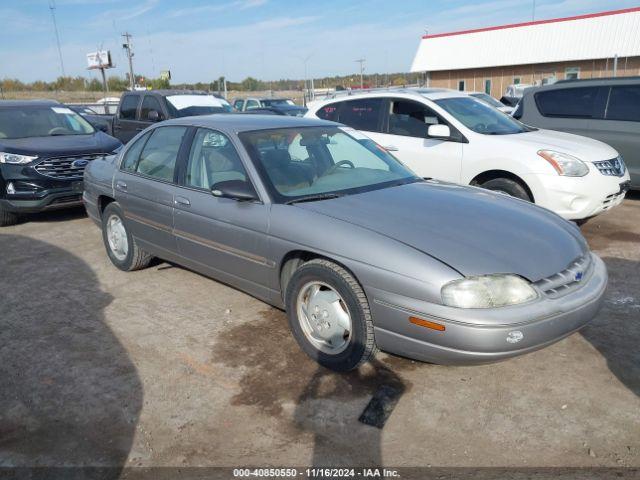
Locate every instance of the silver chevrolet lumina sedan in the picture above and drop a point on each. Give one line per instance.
(312, 217)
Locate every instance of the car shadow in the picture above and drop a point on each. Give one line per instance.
(62, 215)
(615, 332)
(69, 393)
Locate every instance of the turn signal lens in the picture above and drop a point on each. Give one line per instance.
(427, 324)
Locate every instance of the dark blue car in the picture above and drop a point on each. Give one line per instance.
(44, 149)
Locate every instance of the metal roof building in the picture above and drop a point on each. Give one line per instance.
(583, 46)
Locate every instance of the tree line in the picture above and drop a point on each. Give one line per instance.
(119, 84)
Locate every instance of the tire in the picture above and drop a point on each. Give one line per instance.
(134, 258)
(7, 218)
(340, 352)
(508, 186)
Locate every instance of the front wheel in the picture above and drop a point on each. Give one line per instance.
(121, 247)
(329, 315)
(7, 218)
(509, 187)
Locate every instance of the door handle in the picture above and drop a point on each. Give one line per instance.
(182, 201)
(120, 185)
(391, 148)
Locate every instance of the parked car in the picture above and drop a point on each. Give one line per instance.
(283, 106)
(139, 109)
(452, 136)
(317, 219)
(99, 121)
(44, 148)
(607, 109)
(489, 100)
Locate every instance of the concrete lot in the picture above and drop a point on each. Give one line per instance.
(164, 367)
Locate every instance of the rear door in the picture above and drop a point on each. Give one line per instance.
(145, 187)
(224, 235)
(127, 124)
(405, 135)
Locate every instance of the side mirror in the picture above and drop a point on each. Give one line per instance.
(439, 131)
(235, 189)
(153, 116)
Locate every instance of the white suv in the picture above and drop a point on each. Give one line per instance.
(452, 136)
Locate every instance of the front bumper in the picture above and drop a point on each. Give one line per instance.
(484, 335)
(577, 198)
(52, 200)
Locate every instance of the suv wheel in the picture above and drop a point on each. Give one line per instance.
(509, 187)
(121, 247)
(329, 315)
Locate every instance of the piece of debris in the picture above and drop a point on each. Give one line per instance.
(592, 453)
(380, 406)
(564, 407)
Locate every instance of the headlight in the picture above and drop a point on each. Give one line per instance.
(565, 164)
(15, 159)
(487, 291)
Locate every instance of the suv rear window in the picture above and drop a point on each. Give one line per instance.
(329, 112)
(362, 114)
(129, 106)
(567, 102)
(624, 103)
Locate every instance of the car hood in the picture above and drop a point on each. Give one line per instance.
(474, 231)
(584, 148)
(98, 142)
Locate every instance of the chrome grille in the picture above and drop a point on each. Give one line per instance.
(568, 279)
(63, 167)
(613, 168)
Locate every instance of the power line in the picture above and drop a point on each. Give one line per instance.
(52, 8)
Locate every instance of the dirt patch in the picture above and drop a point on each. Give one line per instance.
(277, 372)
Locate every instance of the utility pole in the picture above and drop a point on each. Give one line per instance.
(361, 62)
(127, 47)
(52, 8)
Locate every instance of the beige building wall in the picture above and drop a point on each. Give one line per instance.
(501, 77)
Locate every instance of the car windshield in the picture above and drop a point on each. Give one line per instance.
(190, 105)
(311, 163)
(41, 121)
(480, 117)
(269, 102)
(488, 99)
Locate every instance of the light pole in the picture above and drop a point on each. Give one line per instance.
(361, 62)
(127, 47)
(305, 90)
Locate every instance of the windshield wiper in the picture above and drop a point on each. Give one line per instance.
(314, 198)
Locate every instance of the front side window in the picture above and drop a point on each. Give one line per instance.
(131, 156)
(480, 117)
(238, 104)
(411, 119)
(362, 114)
(158, 157)
(129, 106)
(41, 121)
(150, 103)
(307, 162)
(567, 102)
(213, 159)
(624, 103)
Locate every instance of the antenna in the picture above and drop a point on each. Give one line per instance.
(52, 7)
(361, 62)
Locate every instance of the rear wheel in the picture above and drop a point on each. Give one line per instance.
(509, 187)
(121, 247)
(329, 315)
(7, 218)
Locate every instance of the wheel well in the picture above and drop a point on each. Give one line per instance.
(103, 201)
(293, 260)
(493, 174)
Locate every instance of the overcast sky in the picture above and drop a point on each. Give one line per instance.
(199, 40)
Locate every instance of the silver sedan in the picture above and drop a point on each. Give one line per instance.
(315, 218)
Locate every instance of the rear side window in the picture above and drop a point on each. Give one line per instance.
(329, 112)
(567, 102)
(362, 114)
(129, 106)
(150, 103)
(131, 156)
(624, 103)
(158, 158)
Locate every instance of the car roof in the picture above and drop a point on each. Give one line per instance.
(241, 122)
(28, 103)
(598, 81)
(169, 92)
(411, 92)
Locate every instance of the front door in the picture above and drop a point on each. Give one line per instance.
(405, 136)
(126, 125)
(227, 237)
(145, 187)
